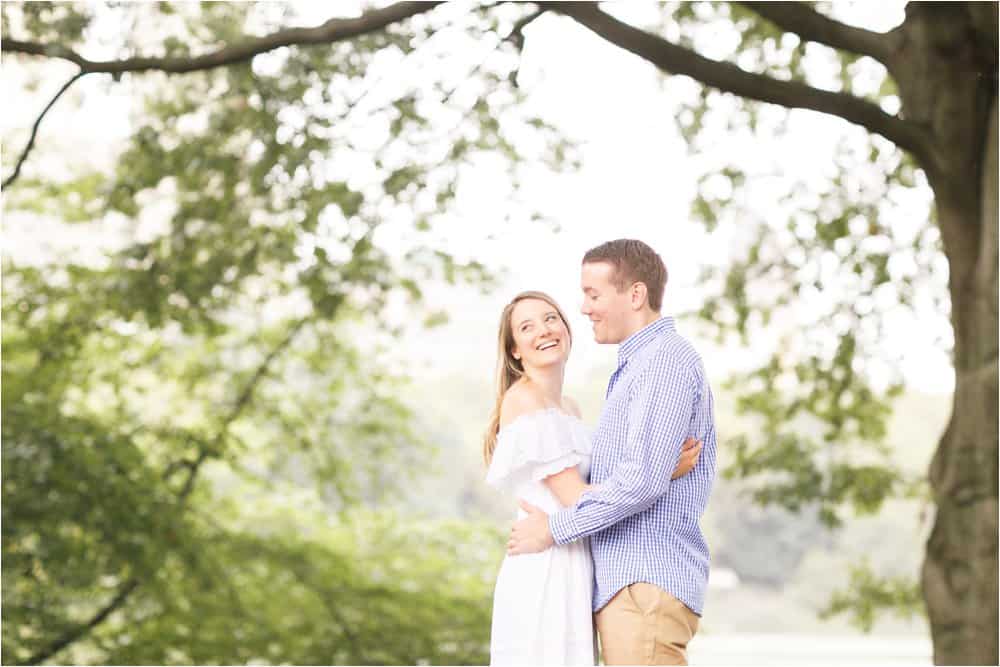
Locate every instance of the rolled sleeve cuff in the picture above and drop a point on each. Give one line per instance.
(563, 526)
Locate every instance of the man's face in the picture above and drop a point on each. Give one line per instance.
(607, 308)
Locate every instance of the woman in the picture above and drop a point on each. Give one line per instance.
(537, 449)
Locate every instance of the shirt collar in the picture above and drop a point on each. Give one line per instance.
(640, 338)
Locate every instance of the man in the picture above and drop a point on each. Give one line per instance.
(650, 558)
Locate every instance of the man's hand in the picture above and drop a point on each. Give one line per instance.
(531, 534)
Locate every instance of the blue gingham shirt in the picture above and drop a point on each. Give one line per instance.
(643, 526)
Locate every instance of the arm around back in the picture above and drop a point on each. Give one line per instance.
(659, 417)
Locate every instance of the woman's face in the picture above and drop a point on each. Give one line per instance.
(540, 335)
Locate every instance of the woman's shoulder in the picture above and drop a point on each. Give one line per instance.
(536, 439)
(572, 407)
(521, 399)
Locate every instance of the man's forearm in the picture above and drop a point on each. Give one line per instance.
(600, 508)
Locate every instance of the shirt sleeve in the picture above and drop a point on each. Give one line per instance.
(660, 411)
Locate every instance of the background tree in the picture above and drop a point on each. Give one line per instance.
(931, 115)
(201, 440)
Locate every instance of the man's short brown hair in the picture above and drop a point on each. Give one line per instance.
(633, 262)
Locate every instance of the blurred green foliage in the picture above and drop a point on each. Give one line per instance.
(868, 594)
(201, 443)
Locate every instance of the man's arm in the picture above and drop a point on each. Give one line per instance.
(568, 486)
(659, 416)
(532, 534)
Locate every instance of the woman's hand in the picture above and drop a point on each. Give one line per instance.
(689, 457)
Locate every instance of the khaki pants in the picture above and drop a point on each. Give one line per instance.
(645, 625)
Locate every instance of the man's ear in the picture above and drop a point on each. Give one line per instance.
(639, 295)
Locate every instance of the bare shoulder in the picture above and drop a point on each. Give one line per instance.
(572, 406)
(522, 398)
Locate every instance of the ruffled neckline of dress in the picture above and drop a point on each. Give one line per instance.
(537, 414)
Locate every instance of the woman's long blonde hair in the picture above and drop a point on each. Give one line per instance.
(509, 369)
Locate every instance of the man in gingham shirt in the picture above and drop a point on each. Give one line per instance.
(650, 558)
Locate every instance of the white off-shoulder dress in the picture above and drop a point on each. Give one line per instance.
(542, 602)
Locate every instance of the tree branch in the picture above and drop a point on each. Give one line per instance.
(34, 130)
(193, 467)
(303, 572)
(117, 601)
(799, 18)
(242, 401)
(516, 35)
(729, 78)
(333, 30)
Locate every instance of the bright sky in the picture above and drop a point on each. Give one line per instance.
(636, 180)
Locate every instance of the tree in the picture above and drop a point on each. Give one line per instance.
(934, 114)
(943, 60)
(221, 353)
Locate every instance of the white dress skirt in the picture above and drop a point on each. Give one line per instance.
(542, 602)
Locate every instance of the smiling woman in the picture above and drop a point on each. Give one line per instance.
(541, 604)
(539, 328)
(540, 322)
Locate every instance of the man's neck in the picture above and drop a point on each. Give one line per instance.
(645, 318)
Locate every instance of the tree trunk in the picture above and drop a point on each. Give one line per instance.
(946, 71)
(960, 569)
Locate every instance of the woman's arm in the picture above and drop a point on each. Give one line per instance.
(690, 452)
(567, 486)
